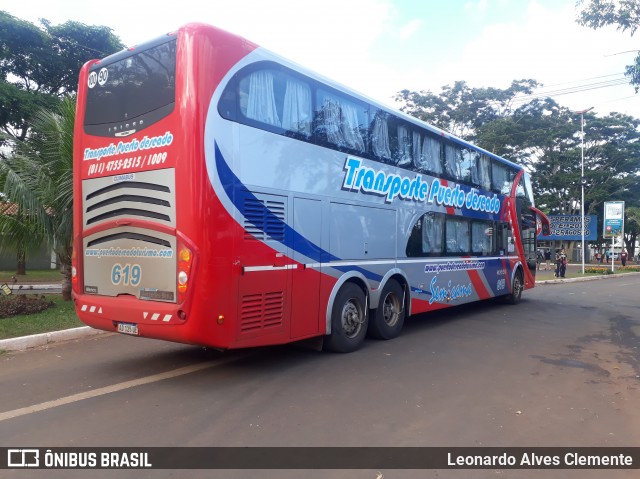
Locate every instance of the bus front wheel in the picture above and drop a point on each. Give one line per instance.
(516, 288)
(349, 320)
(388, 319)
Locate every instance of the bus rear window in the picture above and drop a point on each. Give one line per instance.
(140, 88)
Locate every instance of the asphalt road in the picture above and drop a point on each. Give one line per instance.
(562, 368)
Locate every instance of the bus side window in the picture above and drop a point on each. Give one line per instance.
(452, 161)
(503, 235)
(468, 164)
(458, 238)
(380, 141)
(296, 110)
(340, 122)
(426, 236)
(403, 153)
(501, 178)
(481, 172)
(275, 99)
(427, 153)
(257, 97)
(482, 238)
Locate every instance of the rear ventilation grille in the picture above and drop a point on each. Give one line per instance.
(146, 196)
(264, 219)
(261, 311)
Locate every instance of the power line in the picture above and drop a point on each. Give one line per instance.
(571, 90)
(585, 79)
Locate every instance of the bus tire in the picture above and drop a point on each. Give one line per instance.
(516, 288)
(388, 319)
(349, 320)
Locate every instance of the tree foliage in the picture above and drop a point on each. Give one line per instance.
(39, 65)
(460, 109)
(544, 137)
(39, 178)
(624, 14)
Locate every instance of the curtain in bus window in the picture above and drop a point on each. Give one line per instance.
(467, 164)
(261, 103)
(380, 137)
(417, 151)
(452, 161)
(482, 172)
(404, 146)
(331, 115)
(431, 153)
(481, 238)
(501, 178)
(432, 229)
(296, 115)
(351, 128)
(457, 235)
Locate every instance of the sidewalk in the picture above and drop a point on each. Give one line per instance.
(543, 277)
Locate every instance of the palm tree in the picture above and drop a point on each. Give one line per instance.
(18, 234)
(39, 178)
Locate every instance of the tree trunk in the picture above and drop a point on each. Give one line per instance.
(21, 267)
(65, 269)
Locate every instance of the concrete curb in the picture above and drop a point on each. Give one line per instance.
(579, 280)
(36, 340)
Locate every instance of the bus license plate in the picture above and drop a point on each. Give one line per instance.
(128, 328)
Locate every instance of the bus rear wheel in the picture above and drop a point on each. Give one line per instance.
(388, 320)
(516, 288)
(349, 320)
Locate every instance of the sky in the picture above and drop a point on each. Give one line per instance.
(380, 47)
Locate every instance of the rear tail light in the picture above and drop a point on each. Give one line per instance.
(185, 261)
(74, 271)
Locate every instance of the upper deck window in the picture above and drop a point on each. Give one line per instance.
(141, 86)
(341, 122)
(274, 98)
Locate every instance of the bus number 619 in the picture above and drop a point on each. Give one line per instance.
(127, 274)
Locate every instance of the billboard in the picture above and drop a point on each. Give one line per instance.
(613, 224)
(568, 228)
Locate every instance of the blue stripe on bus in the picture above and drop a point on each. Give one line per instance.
(228, 179)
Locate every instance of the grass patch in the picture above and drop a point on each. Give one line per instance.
(60, 316)
(32, 276)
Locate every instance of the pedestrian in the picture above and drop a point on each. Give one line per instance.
(558, 262)
(539, 259)
(547, 259)
(598, 258)
(563, 263)
(623, 257)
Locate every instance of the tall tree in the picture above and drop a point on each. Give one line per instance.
(625, 14)
(39, 65)
(39, 178)
(19, 234)
(460, 109)
(545, 138)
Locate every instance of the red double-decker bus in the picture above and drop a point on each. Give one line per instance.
(230, 198)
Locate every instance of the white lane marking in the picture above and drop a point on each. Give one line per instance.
(114, 388)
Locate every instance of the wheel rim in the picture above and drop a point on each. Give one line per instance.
(352, 318)
(517, 287)
(391, 309)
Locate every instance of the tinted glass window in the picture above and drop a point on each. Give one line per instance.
(458, 238)
(276, 99)
(133, 86)
(341, 122)
(427, 153)
(482, 238)
(426, 236)
(501, 178)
